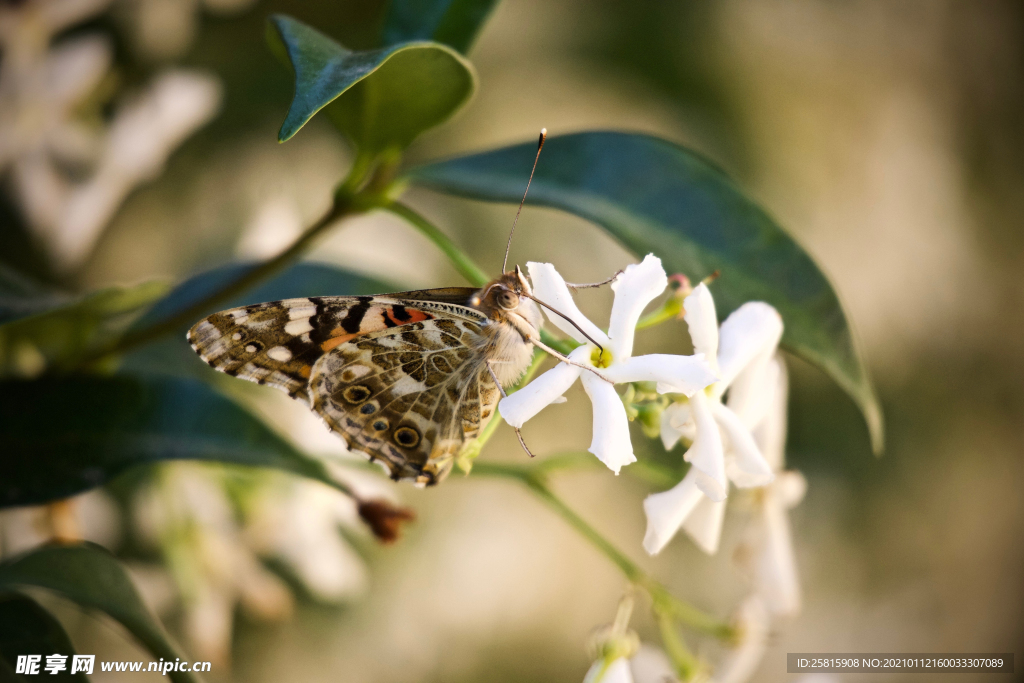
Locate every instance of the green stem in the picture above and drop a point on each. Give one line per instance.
(675, 647)
(462, 263)
(342, 207)
(664, 601)
(670, 310)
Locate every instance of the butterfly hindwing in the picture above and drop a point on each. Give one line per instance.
(409, 396)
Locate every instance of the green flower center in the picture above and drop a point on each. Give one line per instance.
(601, 359)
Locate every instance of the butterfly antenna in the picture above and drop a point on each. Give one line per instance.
(563, 315)
(540, 146)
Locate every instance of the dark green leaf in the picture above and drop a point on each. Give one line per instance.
(172, 354)
(28, 629)
(383, 98)
(65, 330)
(655, 196)
(452, 22)
(64, 435)
(90, 576)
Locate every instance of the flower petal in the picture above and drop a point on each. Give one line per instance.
(651, 665)
(634, 289)
(673, 421)
(775, 568)
(770, 432)
(704, 525)
(789, 488)
(752, 625)
(549, 287)
(546, 389)
(702, 322)
(611, 442)
(747, 467)
(749, 335)
(706, 453)
(674, 374)
(617, 671)
(666, 512)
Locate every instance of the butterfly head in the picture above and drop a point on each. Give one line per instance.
(506, 299)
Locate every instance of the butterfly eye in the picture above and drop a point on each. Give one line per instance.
(507, 300)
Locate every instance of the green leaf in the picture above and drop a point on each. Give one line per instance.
(20, 296)
(452, 22)
(90, 576)
(63, 332)
(66, 434)
(655, 196)
(382, 99)
(28, 629)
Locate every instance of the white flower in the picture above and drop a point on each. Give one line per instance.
(91, 516)
(647, 664)
(144, 132)
(43, 131)
(651, 665)
(616, 671)
(300, 524)
(634, 289)
(722, 447)
(769, 542)
(189, 516)
(752, 625)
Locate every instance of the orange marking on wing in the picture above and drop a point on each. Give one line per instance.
(335, 341)
(306, 370)
(411, 316)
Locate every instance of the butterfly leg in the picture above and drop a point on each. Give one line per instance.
(519, 434)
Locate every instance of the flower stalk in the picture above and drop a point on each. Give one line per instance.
(535, 479)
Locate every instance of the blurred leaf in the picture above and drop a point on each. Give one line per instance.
(66, 434)
(452, 22)
(62, 333)
(28, 629)
(655, 196)
(21, 297)
(90, 576)
(382, 99)
(172, 354)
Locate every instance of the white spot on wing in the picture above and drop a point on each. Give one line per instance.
(301, 312)
(297, 327)
(407, 385)
(357, 370)
(280, 354)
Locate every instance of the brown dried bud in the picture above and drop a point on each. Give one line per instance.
(384, 518)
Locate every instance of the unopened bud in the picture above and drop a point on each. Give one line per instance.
(384, 518)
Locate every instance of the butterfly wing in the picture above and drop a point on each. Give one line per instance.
(277, 343)
(423, 354)
(409, 396)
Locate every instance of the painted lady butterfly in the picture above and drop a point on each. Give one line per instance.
(407, 378)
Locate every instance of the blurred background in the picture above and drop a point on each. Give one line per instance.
(888, 138)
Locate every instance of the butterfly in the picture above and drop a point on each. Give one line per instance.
(406, 378)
